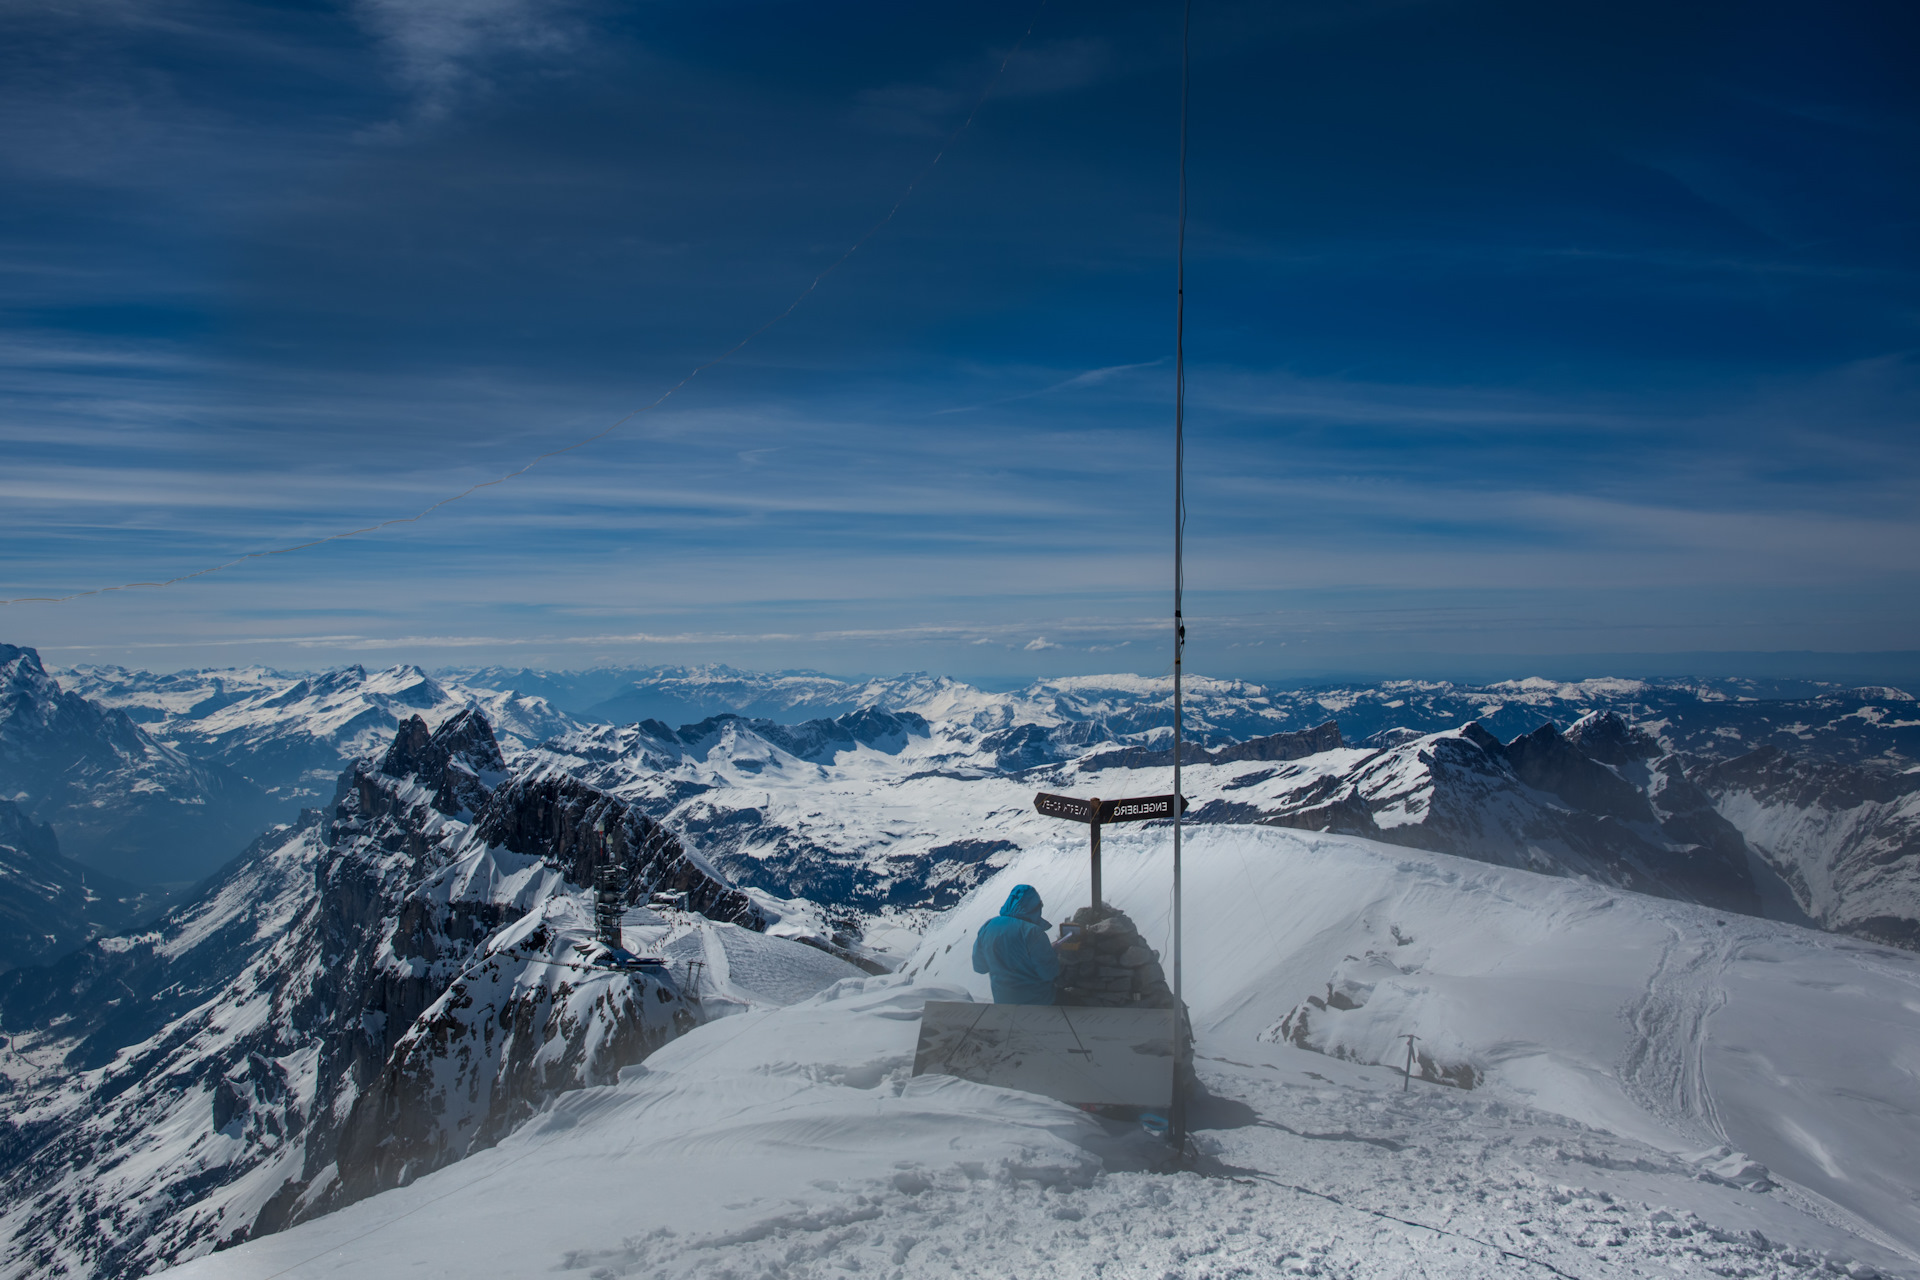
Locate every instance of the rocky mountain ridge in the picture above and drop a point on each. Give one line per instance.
(1846, 838)
(899, 816)
(400, 978)
(363, 996)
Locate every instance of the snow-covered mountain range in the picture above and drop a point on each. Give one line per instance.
(890, 814)
(890, 796)
(291, 735)
(1702, 717)
(398, 980)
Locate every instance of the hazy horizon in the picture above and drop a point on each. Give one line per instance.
(1889, 668)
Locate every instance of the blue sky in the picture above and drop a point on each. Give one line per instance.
(1551, 332)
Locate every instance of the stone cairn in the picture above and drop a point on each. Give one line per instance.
(1112, 966)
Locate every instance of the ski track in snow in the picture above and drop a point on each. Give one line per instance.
(1662, 1068)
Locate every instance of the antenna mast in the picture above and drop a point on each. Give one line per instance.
(1179, 1117)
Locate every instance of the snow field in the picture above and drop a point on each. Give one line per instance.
(1610, 1029)
(1690, 1030)
(792, 1143)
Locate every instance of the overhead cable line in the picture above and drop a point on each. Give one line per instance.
(722, 358)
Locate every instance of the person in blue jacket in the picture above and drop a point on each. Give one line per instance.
(1012, 948)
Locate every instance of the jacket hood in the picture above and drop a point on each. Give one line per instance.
(1024, 904)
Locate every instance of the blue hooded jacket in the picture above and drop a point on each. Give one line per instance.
(1013, 949)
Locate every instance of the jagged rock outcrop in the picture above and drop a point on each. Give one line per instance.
(1334, 1023)
(360, 998)
(460, 763)
(574, 827)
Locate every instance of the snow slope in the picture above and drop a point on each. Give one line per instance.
(1679, 1026)
(1629, 1051)
(362, 998)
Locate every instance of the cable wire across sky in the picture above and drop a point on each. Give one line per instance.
(919, 177)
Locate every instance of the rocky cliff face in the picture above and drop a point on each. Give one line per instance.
(1600, 800)
(364, 996)
(1845, 837)
(120, 801)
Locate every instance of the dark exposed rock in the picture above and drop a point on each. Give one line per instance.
(1110, 965)
(1606, 736)
(1546, 761)
(1539, 802)
(821, 740)
(1845, 838)
(1026, 746)
(573, 827)
(459, 762)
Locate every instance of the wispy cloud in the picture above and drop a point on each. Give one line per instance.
(445, 50)
(927, 109)
(1088, 378)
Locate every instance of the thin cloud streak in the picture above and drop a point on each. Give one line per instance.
(279, 271)
(1090, 378)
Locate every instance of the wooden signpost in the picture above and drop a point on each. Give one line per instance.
(1096, 813)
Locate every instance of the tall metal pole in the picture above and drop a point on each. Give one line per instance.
(1179, 1117)
(1093, 849)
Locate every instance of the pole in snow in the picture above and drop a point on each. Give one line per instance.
(1408, 1082)
(1178, 1127)
(1093, 852)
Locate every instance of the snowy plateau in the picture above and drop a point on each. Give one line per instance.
(1656, 943)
